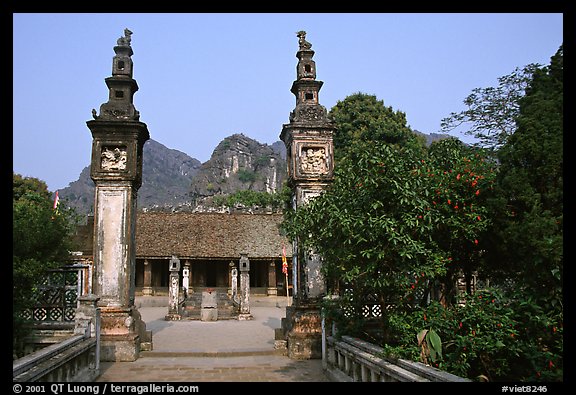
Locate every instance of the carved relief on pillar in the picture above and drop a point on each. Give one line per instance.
(113, 158)
(313, 160)
(308, 113)
(304, 195)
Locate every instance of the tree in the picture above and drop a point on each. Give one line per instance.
(463, 181)
(40, 242)
(526, 246)
(397, 220)
(491, 112)
(362, 117)
(528, 233)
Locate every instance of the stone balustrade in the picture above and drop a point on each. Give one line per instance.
(74, 359)
(351, 359)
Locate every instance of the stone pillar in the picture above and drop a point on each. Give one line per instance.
(87, 317)
(186, 279)
(209, 305)
(272, 286)
(116, 169)
(234, 283)
(244, 288)
(174, 291)
(87, 323)
(147, 288)
(310, 158)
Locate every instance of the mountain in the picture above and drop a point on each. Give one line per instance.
(431, 137)
(240, 163)
(174, 181)
(166, 177)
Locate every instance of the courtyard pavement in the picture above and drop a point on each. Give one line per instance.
(218, 351)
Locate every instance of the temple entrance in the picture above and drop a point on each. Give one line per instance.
(211, 275)
(266, 277)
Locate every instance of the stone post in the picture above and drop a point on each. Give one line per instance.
(209, 305)
(186, 279)
(118, 139)
(147, 288)
(87, 323)
(272, 290)
(174, 291)
(234, 282)
(310, 157)
(244, 288)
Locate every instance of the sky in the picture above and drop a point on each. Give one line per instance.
(203, 77)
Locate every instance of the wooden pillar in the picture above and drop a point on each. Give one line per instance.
(147, 288)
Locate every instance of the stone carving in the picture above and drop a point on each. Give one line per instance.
(313, 160)
(304, 45)
(307, 195)
(116, 113)
(113, 158)
(125, 41)
(309, 113)
(174, 291)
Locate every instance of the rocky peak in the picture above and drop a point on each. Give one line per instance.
(240, 163)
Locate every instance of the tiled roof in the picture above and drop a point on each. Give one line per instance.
(209, 235)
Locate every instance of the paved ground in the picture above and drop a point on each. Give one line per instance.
(223, 351)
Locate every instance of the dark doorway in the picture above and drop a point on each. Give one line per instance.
(211, 271)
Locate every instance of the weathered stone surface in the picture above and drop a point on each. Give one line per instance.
(310, 158)
(209, 299)
(209, 314)
(116, 169)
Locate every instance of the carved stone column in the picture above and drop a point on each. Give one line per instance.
(244, 288)
(116, 169)
(310, 158)
(186, 279)
(234, 282)
(174, 291)
(272, 289)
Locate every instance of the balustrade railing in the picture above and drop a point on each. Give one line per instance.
(56, 297)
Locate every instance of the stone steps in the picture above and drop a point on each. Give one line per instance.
(191, 308)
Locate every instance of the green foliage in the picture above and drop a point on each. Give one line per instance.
(430, 345)
(390, 214)
(40, 241)
(249, 198)
(245, 175)
(224, 145)
(463, 180)
(361, 118)
(491, 335)
(263, 160)
(399, 221)
(371, 224)
(491, 112)
(527, 236)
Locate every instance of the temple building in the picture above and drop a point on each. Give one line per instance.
(206, 244)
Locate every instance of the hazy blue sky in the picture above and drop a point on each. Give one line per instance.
(203, 77)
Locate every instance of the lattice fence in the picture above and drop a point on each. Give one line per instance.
(369, 304)
(56, 298)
